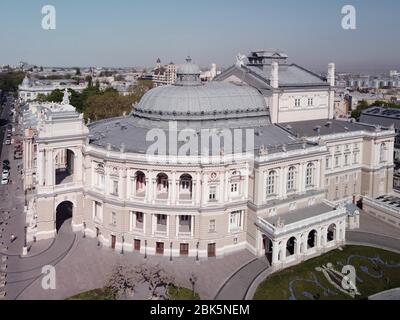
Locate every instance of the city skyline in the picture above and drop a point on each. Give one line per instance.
(136, 34)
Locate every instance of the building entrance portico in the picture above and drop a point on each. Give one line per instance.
(285, 243)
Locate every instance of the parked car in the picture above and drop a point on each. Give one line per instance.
(4, 181)
(6, 162)
(8, 142)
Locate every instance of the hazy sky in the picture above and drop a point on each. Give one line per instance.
(137, 32)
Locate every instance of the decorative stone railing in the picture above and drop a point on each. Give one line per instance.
(279, 230)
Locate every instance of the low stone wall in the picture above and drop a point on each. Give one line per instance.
(382, 213)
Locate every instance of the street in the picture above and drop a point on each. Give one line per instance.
(12, 219)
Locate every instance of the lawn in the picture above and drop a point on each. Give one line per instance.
(96, 294)
(175, 293)
(376, 270)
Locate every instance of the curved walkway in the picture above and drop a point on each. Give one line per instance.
(236, 286)
(25, 270)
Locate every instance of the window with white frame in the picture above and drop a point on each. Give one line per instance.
(211, 227)
(382, 153)
(100, 180)
(97, 210)
(310, 102)
(328, 162)
(235, 220)
(356, 157)
(310, 175)
(291, 179)
(271, 183)
(113, 219)
(212, 195)
(234, 188)
(297, 102)
(114, 187)
(346, 159)
(337, 161)
(137, 220)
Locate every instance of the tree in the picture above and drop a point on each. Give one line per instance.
(41, 97)
(55, 96)
(157, 279)
(122, 281)
(10, 81)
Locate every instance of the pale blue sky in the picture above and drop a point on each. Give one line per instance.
(136, 32)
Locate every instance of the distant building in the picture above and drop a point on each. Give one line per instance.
(162, 75)
(30, 89)
(386, 118)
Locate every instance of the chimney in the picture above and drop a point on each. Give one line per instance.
(274, 75)
(331, 74)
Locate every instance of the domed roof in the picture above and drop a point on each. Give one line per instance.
(188, 68)
(211, 101)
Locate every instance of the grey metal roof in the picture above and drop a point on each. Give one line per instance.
(385, 117)
(315, 128)
(290, 75)
(132, 131)
(214, 100)
(300, 214)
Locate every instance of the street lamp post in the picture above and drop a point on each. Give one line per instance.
(122, 247)
(170, 252)
(197, 247)
(25, 248)
(193, 280)
(84, 229)
(145, 249)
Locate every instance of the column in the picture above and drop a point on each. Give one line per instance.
(49, 168)
(222, 187)
(226, 186)
(204, 186)
(245, 190)
(198, 193)
(40, 164)
(124, 193)
(275, 252)
(153, 223)
(297, 245)
(175, 188)
(192, 225)
(283, 182)
(177, 225)
(301, 182)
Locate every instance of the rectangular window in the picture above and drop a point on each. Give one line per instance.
(100, 181)
(234, 188)
(356, 157)
(114, 188)
(213, 193)
(328, 163)
(98, 210)
(310, 102)
(113, 218)
(211, 227)
(346, 160)
(235, 220)
(297, 102)
(337, 161)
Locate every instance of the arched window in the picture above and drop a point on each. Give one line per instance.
(291, 181)
(310, 175)
(271, 183)
(382, 152)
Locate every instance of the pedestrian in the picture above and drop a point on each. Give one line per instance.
(13, 237)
